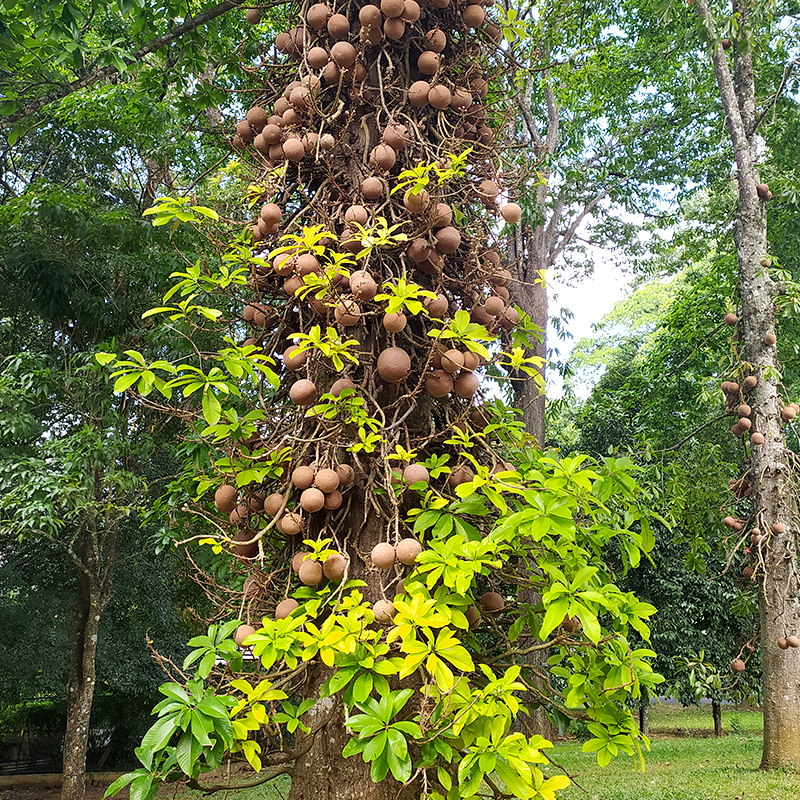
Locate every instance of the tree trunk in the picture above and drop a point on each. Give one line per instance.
(716, 711)
(322, 773)
(80, 690)
(644, 713)
(531, 296)
(770, 474)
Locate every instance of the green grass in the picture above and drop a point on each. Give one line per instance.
(675, 719)
(679, 769)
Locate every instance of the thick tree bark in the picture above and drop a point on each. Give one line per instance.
(716, 713)
(770, 474)
(322, 772)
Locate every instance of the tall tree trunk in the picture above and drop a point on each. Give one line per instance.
(716, 713)
(770, 474)
(80, 690)
(531, 296)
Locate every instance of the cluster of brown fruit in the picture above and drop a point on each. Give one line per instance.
(744, 423)
(380, 91)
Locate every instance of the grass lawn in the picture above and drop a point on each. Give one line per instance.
(689, 766)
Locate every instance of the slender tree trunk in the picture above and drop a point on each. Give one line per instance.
(531, 296)
(80, 690)
(716, 712)
(770, 473)
(644, 713)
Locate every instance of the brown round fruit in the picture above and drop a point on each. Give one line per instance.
(318, 15)
(285, 608)
(770, 339)
(310, 572)
(428, 62)
(407, 551)
(327, 480)
(442, 216)
(241, 633)
(418, 94)
(394, 323)
(347, 313)
(273, 503)
(257, 117)
(418, 250)
(356, 213)
(783, 644)
(382, 157)
(333, 500)
(363, 285)
(793, 641)
(303, 392)
(453, 361)
(346, 474)
(303, 477)
(511, 213)
(448, 240)
(372, 188)
(750, 381)
(225, 498)
(394, 364)
(370, 15)
(757, 438)
(383, 555)
(416, 202)
(737, 665)
(778, 528)
(384, 611)
(298, 559)
(343, 54)
(436, 40)
(334, 567)
(488, 190)
(394, 28)
(466, 384)
(491, 603)
(340, 385)
(411, 10)
(474, 16)
(731, 319)
(338, 27)
(290, 524)
(294, 358)
(439, 383)
(459, 475)
(317, 57)
(436, 308)
(312, 500)
(416, 473)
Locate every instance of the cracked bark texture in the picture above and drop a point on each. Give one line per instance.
(770, 472)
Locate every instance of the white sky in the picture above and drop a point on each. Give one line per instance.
(589, 301)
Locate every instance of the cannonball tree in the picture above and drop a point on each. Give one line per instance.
(374, 511)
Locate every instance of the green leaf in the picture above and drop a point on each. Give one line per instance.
(156, 738)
